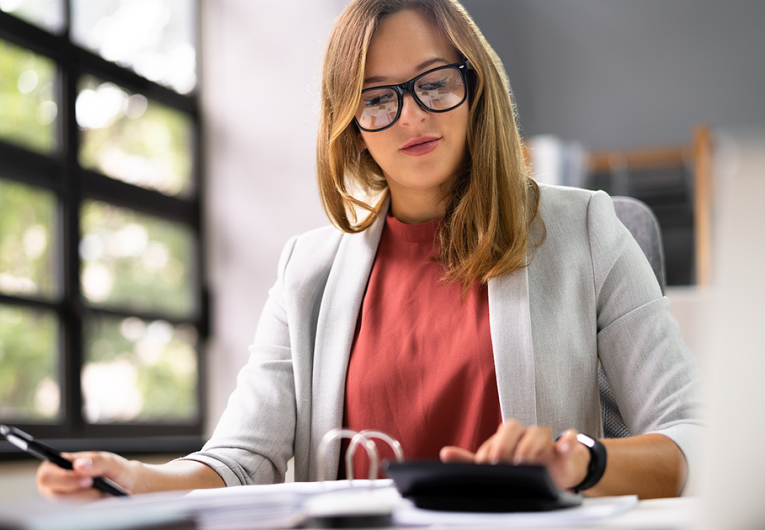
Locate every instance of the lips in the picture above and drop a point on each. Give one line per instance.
(420, 146)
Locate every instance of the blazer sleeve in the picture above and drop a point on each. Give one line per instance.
(651, 371)
(255, 436)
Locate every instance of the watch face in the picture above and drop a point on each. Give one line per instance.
(586, 440)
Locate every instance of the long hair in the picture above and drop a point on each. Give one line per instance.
(486, 230)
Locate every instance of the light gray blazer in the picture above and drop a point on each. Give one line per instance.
(588, 294)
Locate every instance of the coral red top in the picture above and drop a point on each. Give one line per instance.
(422, 366)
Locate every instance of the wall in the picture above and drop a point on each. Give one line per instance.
(262, 64)
(620, 73)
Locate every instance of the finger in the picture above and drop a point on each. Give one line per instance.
(482, 455)
(536, 446)
(565, 443)
(101, 464)
(93, 464)
(451, 454)
(503, 443)
(51, 479)
(83, 461)
(569, 465)
(78, 496)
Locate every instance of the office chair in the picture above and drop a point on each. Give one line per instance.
(641, 222)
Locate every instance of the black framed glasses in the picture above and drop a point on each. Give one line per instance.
(438, 90)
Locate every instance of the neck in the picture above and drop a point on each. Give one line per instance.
(417, 206)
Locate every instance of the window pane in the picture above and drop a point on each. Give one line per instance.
(154, 37)
(29, 387)
(131, 138)
(46, 14)
(27, 241)
(136, 261)
(28, 108)
(139, 371)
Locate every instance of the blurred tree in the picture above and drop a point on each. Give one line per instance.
(29, 387)
(133, 139)
(27, 245)
(136, 261)
(27, 98)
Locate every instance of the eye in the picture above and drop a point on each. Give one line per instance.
(378, 100)
(434, 85)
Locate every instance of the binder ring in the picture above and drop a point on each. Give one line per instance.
(356, 439)
(398, 451)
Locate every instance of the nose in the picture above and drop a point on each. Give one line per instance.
(411, 112)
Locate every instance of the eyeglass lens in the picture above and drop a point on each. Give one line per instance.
(439, 91)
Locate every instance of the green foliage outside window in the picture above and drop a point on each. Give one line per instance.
(130, 138)
(139, 371)
(135, 261)
(27, 246)
(29, 388)
(27, 99)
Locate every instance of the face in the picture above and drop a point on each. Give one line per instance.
(421, 153)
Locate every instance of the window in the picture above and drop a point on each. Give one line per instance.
(102, 305)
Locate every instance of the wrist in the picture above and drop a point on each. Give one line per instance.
(581, 457)
(139, 477)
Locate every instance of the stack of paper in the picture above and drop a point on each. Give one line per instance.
(280, 506)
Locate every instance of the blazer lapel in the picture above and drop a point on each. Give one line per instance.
(335, 329)
(510, 321)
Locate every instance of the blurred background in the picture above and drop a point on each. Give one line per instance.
(155, 155)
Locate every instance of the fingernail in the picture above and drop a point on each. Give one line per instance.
(565, 447)
(86, 482)
(517, 460)
(83, 463)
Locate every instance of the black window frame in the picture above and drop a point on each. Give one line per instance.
(62, 174)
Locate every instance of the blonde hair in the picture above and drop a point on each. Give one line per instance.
(493, 202)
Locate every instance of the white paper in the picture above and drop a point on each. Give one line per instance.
(590, 510)
(283, 506)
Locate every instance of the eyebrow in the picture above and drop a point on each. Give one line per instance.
(419, 68)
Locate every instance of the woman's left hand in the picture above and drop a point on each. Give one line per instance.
(513, 443)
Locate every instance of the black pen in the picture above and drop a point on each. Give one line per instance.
(38, 449)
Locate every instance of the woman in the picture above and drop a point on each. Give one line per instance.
(465, 314)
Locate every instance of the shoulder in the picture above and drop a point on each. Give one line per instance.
(562, 204)
(319, 240)
(310, 253)
(568, 211)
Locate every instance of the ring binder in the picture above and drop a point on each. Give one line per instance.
(333, 435)
(356, 507)
(398, 451)
(364, 438)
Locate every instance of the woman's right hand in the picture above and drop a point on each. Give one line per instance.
(54, 482)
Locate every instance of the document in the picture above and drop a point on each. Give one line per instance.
(281, 506)
(251, 507)
(591, 510)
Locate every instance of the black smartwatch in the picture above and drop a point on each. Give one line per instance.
(597, 465)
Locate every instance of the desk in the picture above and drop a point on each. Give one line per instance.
(675, 514)
(171, 510)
